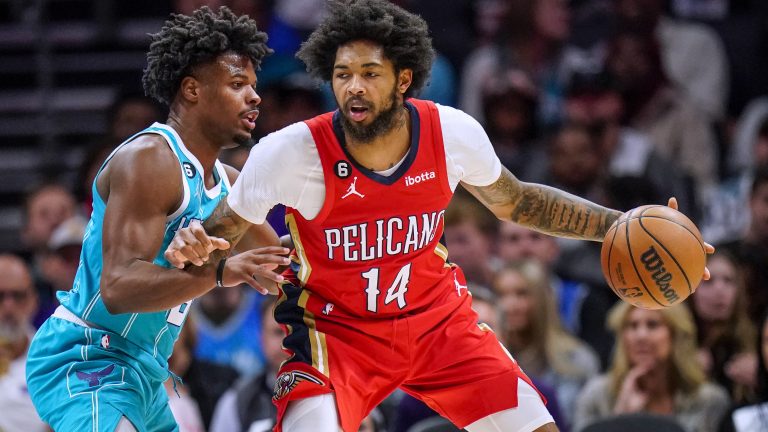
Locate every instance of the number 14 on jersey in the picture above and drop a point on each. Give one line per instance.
(396, 291)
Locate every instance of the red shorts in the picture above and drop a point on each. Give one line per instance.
(441, 356)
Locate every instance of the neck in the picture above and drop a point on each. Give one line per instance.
(205, 148)
(384, 151)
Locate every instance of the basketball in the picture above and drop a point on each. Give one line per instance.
(653, 257)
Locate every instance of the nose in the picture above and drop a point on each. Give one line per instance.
(253, 97)
(356, 86)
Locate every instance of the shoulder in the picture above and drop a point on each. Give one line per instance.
(293, 138)
(146, 152)
(456, 123)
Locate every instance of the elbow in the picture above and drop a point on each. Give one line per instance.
(110, 295)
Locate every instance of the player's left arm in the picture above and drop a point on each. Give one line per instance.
(544, 208)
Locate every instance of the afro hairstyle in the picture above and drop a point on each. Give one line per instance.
(185, 42)
(403, 36)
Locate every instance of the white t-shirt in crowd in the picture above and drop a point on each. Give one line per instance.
(284, 167)
(16, 410)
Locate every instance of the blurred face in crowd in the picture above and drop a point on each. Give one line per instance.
(367, 90)
(46, 209)
(220, 304)
(271, 342)
(642, 13)
(468, 246)
(516, 243)
(486, 312)
(575, 159)
(594, 108)
(18, 299)
(552, 19)
(132, 116)
(646, 337)
(515, 299)
(759, 211)
(715, 298)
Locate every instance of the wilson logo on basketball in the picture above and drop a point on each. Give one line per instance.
(654, 264)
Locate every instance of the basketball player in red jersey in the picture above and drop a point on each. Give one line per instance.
(371, 302)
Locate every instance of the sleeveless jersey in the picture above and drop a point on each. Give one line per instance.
(155, 332)
(374, 250)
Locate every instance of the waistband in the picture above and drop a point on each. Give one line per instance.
(63, 313)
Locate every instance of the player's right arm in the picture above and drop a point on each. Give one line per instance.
(142, 186)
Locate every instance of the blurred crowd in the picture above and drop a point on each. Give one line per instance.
(624, 102)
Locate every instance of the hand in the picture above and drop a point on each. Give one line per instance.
(708, 248)
(192, 244)
(256, 268)
(742, 369)
(631, 397)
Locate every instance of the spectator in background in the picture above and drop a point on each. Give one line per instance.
(228, 326)
(247, 406)
(532, 332)
(726, 335)
(509, 105)
(200, 383)
(679, 131)
(45, 208)
(754, 417)
(692, 55)
(654, 370)
(470, 231)
(594, 100)
(582, 308)
(725, 218)
(531, 38)
(751, 249)
(575, 163)
(18, 305)
(185, 409)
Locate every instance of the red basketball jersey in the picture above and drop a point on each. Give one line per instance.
(374, 249)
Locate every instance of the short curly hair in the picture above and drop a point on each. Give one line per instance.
(403, 35)
(185, 42)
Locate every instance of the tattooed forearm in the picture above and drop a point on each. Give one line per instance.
(226, 224)
(545, 209)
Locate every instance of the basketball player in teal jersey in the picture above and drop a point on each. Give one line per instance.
(99, 362)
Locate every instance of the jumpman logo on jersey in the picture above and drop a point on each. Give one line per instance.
(459, 286)
(352, 191)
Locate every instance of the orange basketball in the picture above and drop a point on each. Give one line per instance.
(653, 257)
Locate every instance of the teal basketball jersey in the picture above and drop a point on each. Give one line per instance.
(155, 332)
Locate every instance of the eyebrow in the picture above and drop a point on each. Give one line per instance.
(364, 65)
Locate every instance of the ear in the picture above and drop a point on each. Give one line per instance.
(190, 88)
(404, 80)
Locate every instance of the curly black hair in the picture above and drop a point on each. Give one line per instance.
(185, 42)
(403, 35)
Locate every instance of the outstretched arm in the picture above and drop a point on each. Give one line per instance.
(544, 208)
(133, 233)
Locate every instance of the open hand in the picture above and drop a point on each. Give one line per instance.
(192, 244)
(256, 268)
(708, 248)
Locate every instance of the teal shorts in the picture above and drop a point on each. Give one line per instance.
(85, 379)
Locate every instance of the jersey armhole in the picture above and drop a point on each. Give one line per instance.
(322, 130)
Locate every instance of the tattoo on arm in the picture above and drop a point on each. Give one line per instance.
(226, 224)
(545, 209)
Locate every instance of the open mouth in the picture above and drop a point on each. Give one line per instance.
(358, 112)
(249, 119)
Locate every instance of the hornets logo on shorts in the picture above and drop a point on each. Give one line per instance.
(287, 381)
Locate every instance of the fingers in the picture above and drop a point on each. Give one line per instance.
(175, 258)
(218, 244)
(707, 274)
(708, 248)
(672, 203)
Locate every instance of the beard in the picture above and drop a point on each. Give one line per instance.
(379, 126)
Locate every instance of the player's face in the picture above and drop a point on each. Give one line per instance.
(647, 338)
(715, 298)
(228, 96)
(368, 90)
